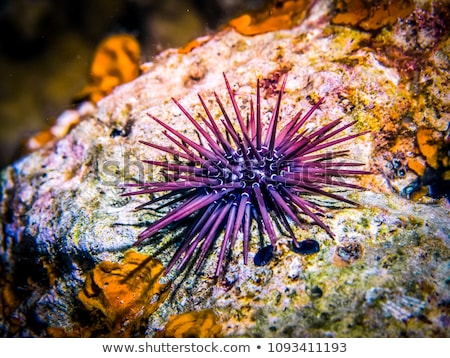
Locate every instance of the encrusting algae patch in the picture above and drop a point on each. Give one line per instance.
(432, 164)
(370, 15)
(280, 15)
(196, 324)
(428, 146)
(125, 293)
(116, 61)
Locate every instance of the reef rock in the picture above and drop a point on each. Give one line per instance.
(385, 274)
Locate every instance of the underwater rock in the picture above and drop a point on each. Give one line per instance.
(63, 213)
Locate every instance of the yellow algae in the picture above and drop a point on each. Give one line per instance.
(39, 140)
(387, 14)
(417, 166)
(196, 324)
(116, 61)
(194, 44)
(350, 12)
(279, 16)
(76, 332)
(427, 146)
(418, 195)
(125, 293)
(371, 15)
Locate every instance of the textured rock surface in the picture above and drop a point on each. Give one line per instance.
(387, 272)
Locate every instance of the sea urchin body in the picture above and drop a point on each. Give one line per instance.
(246, 173)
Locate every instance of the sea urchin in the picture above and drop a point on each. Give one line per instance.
(246, 172)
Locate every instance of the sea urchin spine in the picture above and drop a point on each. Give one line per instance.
(246, 172)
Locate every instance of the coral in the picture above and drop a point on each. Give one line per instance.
(196, 324)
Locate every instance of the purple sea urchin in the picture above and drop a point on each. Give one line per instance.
(248, 172)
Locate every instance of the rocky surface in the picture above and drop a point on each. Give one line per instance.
(387, 273)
